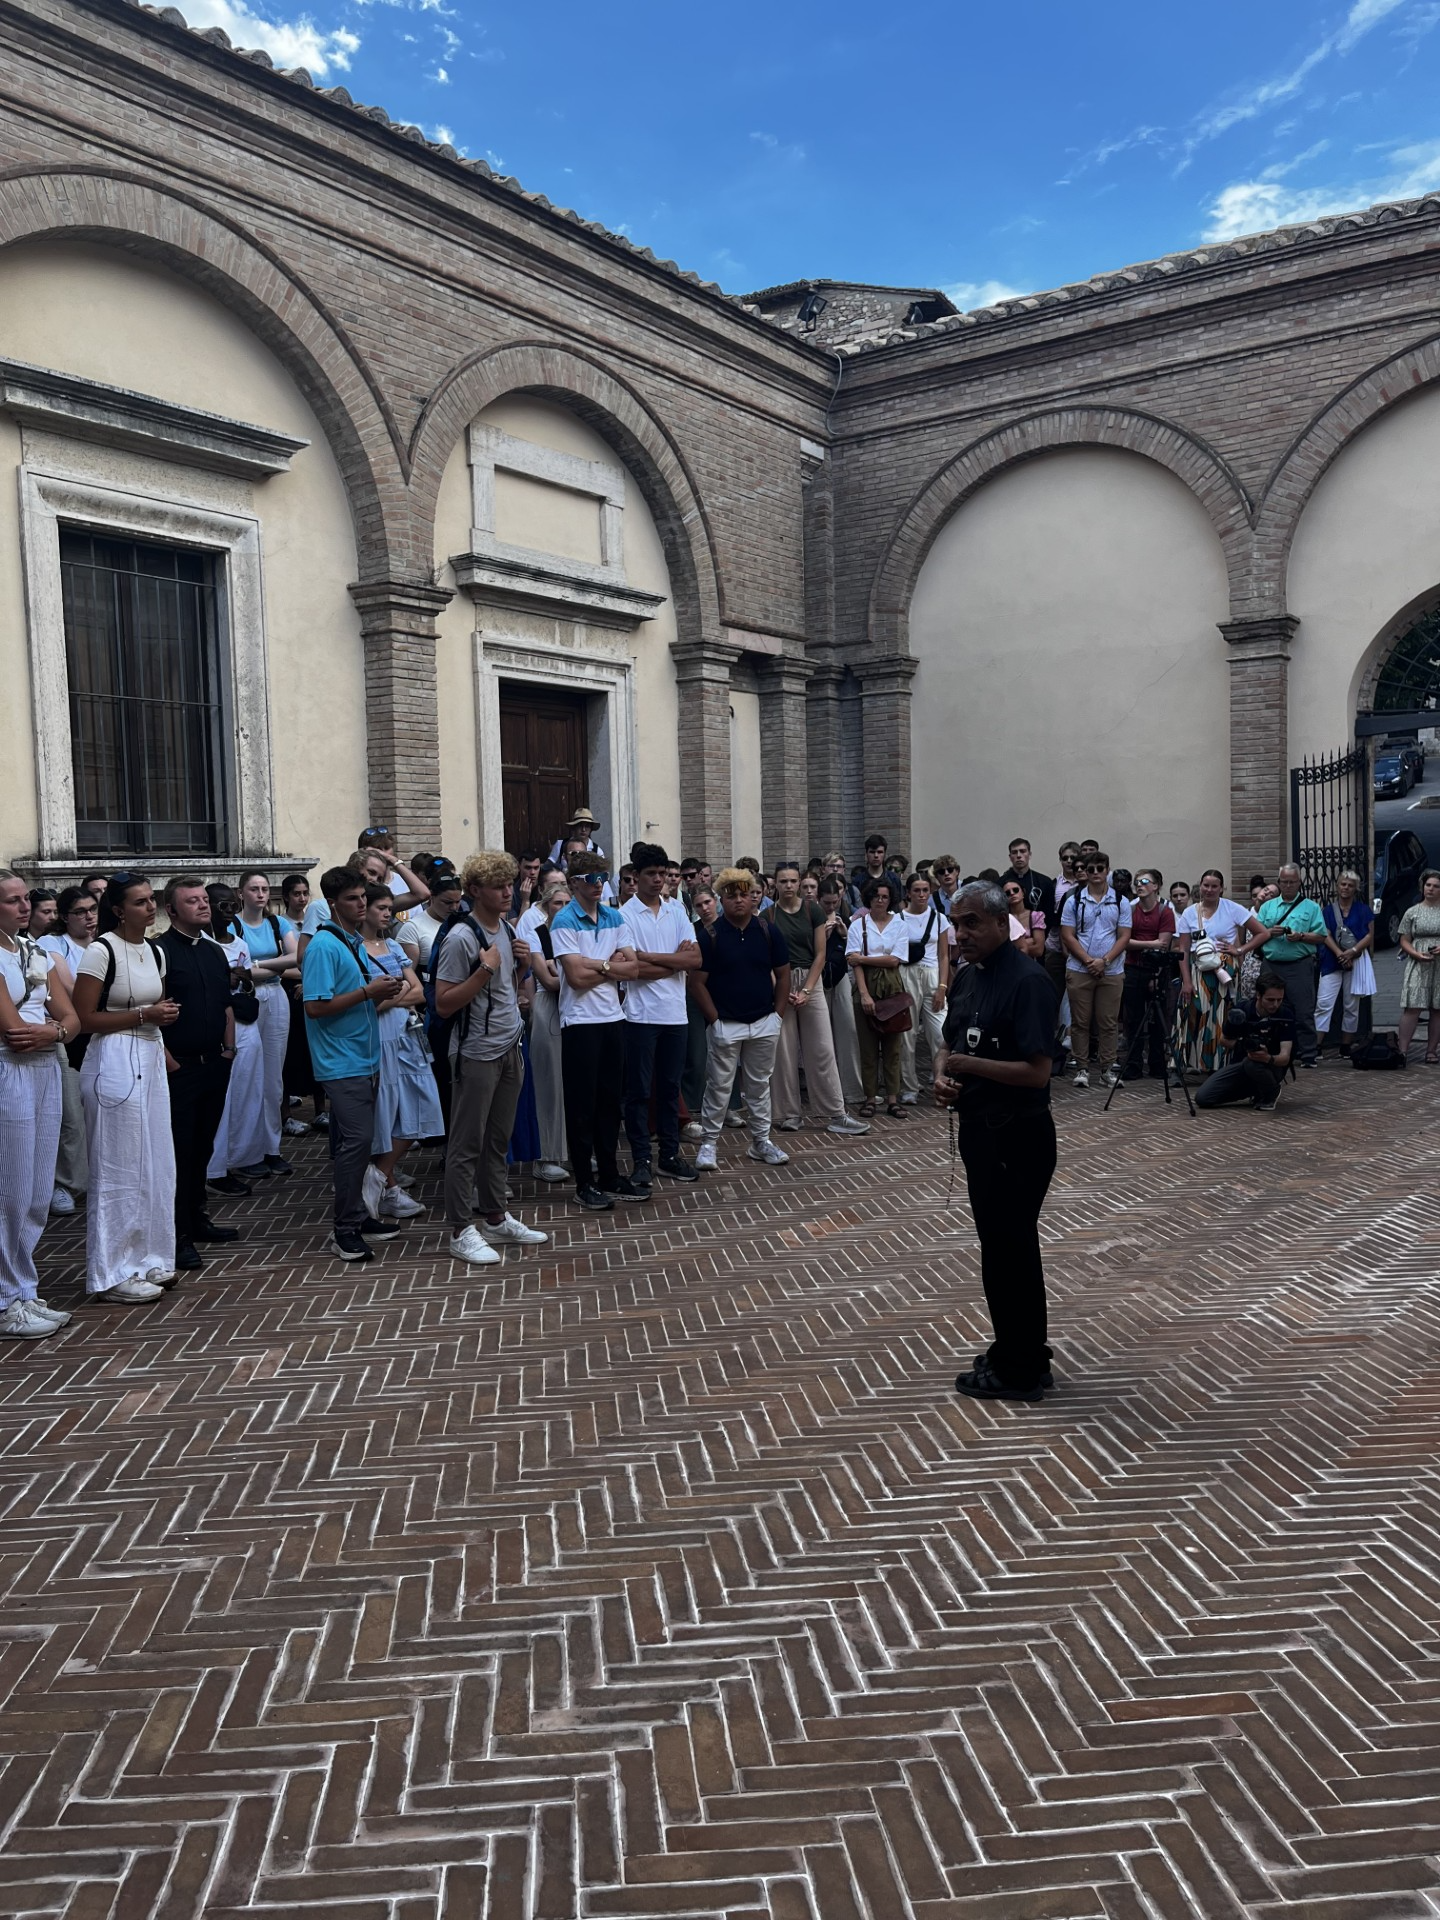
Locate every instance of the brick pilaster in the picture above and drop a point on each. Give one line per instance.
(825, 756)
(702, 680)
(1259, 743)
(784, 757)
(402, 732)
(885, 718)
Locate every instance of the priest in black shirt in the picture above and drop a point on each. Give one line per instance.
(994, 1070)
(199, 1048)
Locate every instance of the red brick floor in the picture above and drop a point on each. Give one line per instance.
(665, 1575)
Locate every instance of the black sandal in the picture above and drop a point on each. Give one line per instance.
(897, 1112)
(866, 1109)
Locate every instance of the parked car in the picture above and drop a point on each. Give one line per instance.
(1392, 777)
(1400, 859)
(1410, 751)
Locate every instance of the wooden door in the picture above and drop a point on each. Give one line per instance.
(542, 763)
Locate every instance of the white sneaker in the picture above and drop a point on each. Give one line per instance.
(768, 1154)
(60, 1201)
(705, 1160)
(1080, 1078)
(372, 1189)
(692, 1130)
(514, 1233)
(295, 1128)
(1111, 1076)
(847, 1123)
(57, 1316)
(470, 1247)
(20, 1321)
(552, 1170)
(734, 1118)
(131, 1292)
(908, 1099)
(788, 1126)
(396, 1204)
(404, 1179)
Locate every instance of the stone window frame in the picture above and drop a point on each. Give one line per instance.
(491, 448)
(500, 655)
(84, 497)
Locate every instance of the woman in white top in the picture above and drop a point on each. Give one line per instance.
(1214, 936)
(73, 932)
(875, 950)
(36, 1018)
(927, 980)
(271, 942)
(121, 1000)
(239, 1150)
(545, 1028)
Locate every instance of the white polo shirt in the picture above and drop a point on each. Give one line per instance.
(573, 931)
(656, 1003)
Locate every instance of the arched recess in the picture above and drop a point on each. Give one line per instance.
(574, 380)
(1190, 460)
(109, 207)
(1303, 464)
(1400, 672)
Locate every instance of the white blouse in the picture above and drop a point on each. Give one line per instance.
(139, 971)
(892, 939)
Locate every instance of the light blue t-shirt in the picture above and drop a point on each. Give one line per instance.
(346, 1045)
(260, 940)
(316, 914)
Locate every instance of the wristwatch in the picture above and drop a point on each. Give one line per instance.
(605, 968)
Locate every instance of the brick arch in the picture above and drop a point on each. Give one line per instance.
(1303, 464)
(118, 209)
(620, 416)
(1190, 460)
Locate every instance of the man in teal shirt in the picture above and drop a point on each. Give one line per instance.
(1297, 931)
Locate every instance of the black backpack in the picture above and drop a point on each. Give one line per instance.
(438, 1031)
(1380, 1054)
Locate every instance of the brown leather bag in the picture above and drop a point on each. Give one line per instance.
(892, 1011)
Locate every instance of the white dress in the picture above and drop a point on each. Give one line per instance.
(130, 1218)
(29, 1128)
(274, 1025)
(242, 1133)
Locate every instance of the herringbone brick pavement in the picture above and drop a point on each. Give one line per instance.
(664, 1574)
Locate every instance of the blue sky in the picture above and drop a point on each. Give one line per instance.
(984, 150)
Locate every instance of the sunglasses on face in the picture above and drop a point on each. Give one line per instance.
(597, 879)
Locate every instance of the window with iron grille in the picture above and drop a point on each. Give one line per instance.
(142, 654)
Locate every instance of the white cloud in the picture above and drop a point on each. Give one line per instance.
(771, 143)
(292, 43)
(1364, 15)
(969, 294)
(1252, 206)
(440, 77)
(442, 136)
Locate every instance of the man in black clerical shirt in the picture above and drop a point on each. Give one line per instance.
(199, 1047)
(994, 1071)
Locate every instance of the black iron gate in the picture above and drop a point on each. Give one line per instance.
(1332, 820)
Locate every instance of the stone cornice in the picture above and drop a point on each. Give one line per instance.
(501, 580)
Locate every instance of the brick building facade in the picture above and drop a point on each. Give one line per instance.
(799, 478)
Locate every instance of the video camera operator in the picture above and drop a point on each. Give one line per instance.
(1261, 1034)
(1151, 969)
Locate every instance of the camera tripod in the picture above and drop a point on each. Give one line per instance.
(1154, 1026)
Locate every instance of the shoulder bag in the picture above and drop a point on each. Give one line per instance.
(916, 952)
(890, 1010)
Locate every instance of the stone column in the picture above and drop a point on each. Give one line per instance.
(402, 731)
(702, 681)
(885, 717)
(1259, 743)
(784, 757)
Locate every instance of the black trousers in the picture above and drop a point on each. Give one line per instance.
(1241, 1080)
(197, 1101)
(1008, 1170)
(1134, 1018)
(654, 1057)
(592, 1070)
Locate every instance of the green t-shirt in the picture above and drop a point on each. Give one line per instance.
(1299, 916)
(799, 931)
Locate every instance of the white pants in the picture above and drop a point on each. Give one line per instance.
(240, 1136)
(274, 1024)
(841, 1002)
(749, 1047)
(130, 1222)
(806, 1031)
(920, 983)
(1328, 993)
(29, 1138)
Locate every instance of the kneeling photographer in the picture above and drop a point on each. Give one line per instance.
(1261, 1036)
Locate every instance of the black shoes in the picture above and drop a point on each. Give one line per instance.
(678, 1169)
(374, 1229)
(207, 1230)
(983, 1383)
(230, 1185)
(348, 1246)
(635, 1186)
(594, 1201)
(186, 1258)
(274, 1164)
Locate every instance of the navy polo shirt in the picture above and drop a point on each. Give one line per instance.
(740, 967)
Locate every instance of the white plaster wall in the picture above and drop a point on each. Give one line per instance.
(533, 522)
(1368, 544)
(98, 312)
(745, 814)
(1071, 677)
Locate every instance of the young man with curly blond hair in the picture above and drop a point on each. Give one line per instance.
(477, 986)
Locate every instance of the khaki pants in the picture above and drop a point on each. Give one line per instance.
(920, 983)
(1098, 1000)
(483, 1098)
(806, 1031)
(746, 1048)
(879, 1054)
(841, 1002)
